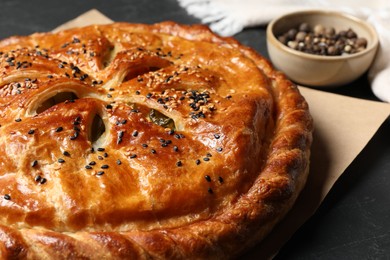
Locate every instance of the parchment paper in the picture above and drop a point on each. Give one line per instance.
(343, 126)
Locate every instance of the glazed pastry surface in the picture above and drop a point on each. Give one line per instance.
(144, 141)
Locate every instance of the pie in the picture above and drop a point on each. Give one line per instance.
(133, 141)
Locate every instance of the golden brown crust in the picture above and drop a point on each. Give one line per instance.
(130, 141)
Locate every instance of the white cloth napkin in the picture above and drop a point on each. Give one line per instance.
(228, 17)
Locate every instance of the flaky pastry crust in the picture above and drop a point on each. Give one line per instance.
(130, 141)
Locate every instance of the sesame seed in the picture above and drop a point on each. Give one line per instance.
(210, 190)
(31, 131)
(179, 164)
(60, 160)
(18, 120)
(100, 173)
(59, 129)
(43, 181)
(144, 145)
(109, 106)
(34, 163)
(101, 149)
(118, 162)
(206, 159)
(88, 167)
(92, 163)
(100, 158)
(135, 133)
(7, 197)
(153, 151)
(132, 156)
(104, 166)
(208, 178)
(219, 149)
(74, 136)
(66, 153)
(175, 148)
(197, 162)
(220, 179)
(209, 155)
(217, 136)
(38, 178)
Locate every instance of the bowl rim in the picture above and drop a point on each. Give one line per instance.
(273, 38)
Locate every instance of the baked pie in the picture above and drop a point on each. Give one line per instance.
(131, 141)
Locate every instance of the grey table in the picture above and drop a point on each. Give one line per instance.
(354, 220)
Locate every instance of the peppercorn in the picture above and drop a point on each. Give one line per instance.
(323, 40)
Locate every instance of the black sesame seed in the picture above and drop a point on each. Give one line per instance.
(92, 163)
(135, 133)
(100, 173)
(153, 151)
(60, 160)
(66, 153)
(217, 136)
(209, 155)
(101, 149)
(210, 190)
(206, 159)
(132, 156)
(118, 162)
(220, 179)
(88, 167)
(43, 181)
(74, 136)
(144, 145)
(104, 166)
(59, 129)
(197, 162)
(34, 163)
(18, 120)
(137, 92)
(92, 150)
(38, 178)
(208, 178)
(76, 129)
(105, 154)
(179, 164)
(175, 148)
(171, 132)
(164, 145)
(109, 95)
(119, 140)
(100, 157)
(31, 131)
(219, 149)
(109, 106)
(7, 197)
(149, 95)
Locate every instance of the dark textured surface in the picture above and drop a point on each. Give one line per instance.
(354, 220)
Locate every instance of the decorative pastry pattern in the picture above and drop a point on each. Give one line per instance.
(144, 141)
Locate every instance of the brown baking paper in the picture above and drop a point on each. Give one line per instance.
(343, 126)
